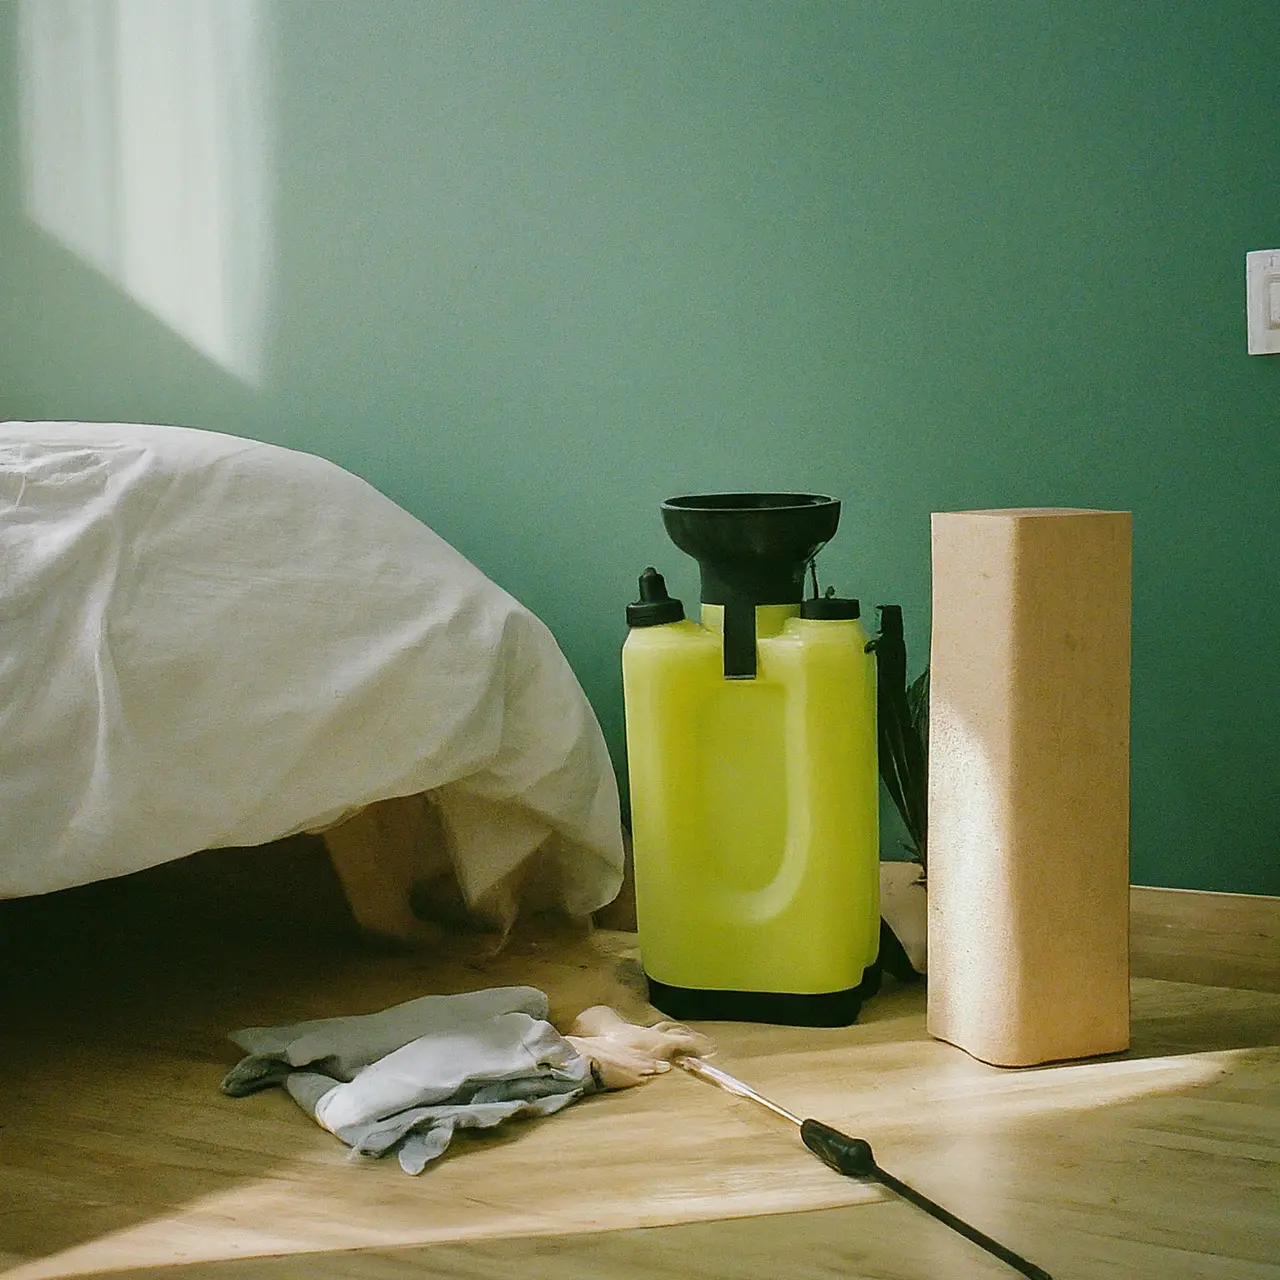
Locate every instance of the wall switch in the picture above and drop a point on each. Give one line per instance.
(1262, 280)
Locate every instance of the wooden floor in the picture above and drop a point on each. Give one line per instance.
(118, 1153)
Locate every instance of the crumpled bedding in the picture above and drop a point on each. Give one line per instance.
(210, 642)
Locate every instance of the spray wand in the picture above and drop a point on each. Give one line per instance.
(853, 1158)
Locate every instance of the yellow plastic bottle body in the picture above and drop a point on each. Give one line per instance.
(754, 805)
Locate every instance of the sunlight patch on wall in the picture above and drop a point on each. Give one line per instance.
(145, 152)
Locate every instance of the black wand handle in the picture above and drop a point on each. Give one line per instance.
(853, 1158)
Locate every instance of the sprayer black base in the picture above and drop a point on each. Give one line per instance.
(782, 1008)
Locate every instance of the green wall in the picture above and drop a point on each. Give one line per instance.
(536, 266)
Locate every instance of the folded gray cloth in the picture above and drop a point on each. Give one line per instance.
(406, 1078)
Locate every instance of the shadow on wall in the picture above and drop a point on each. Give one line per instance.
(145, 152)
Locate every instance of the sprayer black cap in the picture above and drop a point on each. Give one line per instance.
(890, 620)
(831, 608)
(655, 606)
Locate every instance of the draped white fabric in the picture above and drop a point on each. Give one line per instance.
(209, 642)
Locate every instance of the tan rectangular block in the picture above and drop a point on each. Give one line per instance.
(1028, 884)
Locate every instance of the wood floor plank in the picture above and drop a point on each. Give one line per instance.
(1217, 939)
(120, 1154)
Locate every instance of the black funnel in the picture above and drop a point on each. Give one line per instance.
(751, 548)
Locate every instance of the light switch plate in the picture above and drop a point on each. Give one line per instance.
(1262, 280)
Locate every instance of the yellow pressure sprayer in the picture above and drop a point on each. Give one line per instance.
(751, 746)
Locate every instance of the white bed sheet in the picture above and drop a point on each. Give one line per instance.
(209, 642)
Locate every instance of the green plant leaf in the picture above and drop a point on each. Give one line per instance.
(918, 707)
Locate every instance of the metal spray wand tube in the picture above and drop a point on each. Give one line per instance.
(853, 1157)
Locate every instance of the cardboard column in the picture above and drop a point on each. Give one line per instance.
(1028, 873)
